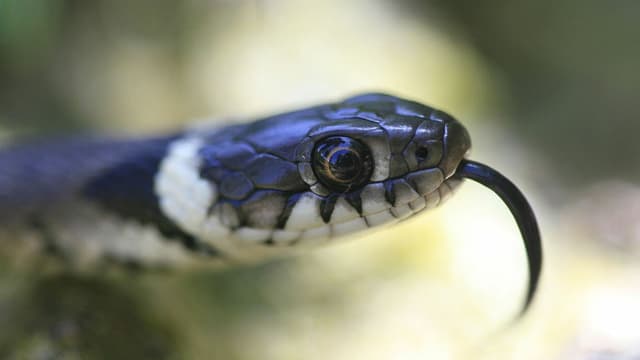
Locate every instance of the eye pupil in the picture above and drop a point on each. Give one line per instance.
(345, 164)
(342, 163)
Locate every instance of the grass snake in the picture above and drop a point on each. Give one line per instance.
(244, 191)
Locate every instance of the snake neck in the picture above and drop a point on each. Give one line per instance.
(42, 175)
(88, 199)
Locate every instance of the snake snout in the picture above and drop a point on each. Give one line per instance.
(457, 144)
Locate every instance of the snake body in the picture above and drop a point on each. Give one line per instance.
(236, 193)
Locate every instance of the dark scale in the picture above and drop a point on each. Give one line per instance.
(389, 192)
(327, 206)
(284, 216)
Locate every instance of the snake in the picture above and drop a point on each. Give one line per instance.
(244, 192)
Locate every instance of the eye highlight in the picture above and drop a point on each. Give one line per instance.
(342, 163)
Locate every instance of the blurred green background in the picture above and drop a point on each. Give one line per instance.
(549, 91)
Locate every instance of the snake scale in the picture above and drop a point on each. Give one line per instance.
(244, 191)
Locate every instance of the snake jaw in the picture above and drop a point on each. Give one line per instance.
(520, 209)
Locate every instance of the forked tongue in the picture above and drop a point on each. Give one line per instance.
(522, 212)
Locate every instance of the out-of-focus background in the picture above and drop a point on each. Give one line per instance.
(549, 91)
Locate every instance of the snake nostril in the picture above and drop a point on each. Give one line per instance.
(421, 154)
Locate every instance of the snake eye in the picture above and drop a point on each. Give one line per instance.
(342, 163)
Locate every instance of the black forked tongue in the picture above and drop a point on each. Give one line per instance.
(521, 211)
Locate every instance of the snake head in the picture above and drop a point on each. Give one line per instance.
(303, 178)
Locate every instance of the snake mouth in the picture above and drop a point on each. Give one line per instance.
(314, 219)
(521, 211)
